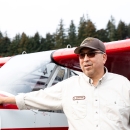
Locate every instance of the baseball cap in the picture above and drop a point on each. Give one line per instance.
(92, 43)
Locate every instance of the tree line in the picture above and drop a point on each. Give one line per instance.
(62, 37)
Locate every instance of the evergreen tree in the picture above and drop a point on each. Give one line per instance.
(43, 45)
(4, 45)
(36, 43)
(50, 41)
(72, 38)
(90, 29)
(30, 45)
(122, 31)
(128, 30)
(33, 43)
(60, 36)
(47, 43)
(1, 35)
(86, 29)
(102, 34)
(13, 48)
(23, 43)
(111, 29)
(81, 29)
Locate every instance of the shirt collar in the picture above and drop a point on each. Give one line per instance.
(105, 74)
(89, 80)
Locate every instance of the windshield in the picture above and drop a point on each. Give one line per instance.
(22, 73)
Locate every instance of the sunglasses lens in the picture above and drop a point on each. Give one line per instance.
(82, 55)
(89, 54)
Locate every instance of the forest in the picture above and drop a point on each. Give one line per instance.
(62, 37)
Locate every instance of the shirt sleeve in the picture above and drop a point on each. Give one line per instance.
(47, 99)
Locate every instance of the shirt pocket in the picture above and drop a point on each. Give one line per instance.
(115, 110)
(79, 109)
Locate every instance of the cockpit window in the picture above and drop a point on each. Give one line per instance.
(52, 74)
(43, 76)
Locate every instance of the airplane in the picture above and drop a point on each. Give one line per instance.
(30, 72)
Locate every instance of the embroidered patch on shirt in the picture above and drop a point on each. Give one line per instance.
(78, 97)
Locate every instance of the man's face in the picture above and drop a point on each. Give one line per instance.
(92, 64)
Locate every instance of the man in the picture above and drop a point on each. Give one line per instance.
(94, 100)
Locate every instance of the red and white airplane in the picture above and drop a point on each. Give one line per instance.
(31, 72)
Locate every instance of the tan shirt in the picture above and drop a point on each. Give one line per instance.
(104, 107)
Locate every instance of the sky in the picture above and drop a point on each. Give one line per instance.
(43, 16)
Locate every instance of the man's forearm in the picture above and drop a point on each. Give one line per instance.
(4, 100)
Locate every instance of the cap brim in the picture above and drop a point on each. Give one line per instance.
(78, 49)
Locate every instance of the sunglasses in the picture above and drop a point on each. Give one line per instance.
(90, 54)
